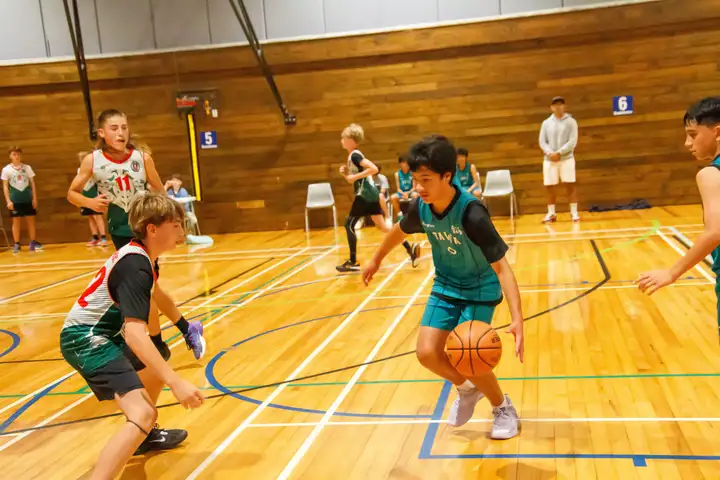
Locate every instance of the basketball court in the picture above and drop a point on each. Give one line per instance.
(314, 376)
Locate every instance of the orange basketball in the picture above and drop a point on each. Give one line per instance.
(473, 348)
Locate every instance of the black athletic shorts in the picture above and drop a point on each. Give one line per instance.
(120, 242)
(363, 208)
(86, 212)
(118, 376)
(23, 210)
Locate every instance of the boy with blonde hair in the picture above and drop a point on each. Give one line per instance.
(358, 171)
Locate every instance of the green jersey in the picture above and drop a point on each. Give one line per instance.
(120, 181)
(365, 187)
(19, 185)
(405, 180)
(464, 245)
(464, 176)
(92, 334)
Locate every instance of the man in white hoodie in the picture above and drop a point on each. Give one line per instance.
(558, 137)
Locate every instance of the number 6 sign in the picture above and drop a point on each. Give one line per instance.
(623, 105)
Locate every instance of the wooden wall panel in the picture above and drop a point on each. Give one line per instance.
(485, 85)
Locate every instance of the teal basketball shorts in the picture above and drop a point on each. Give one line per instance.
(443, 315)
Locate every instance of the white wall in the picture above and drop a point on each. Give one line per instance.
(37, 28)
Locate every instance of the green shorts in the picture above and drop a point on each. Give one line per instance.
(443, 315)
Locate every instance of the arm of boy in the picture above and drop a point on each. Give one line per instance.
(34, 192)
(152, 175)
(369, 169)
(708, 180)
(75, 196)
(474, 174)
(409, 224)
(6, 191)
(510, 289)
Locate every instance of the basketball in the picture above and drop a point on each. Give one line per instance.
(473, 348)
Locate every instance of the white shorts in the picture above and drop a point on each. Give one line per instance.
(556, 172)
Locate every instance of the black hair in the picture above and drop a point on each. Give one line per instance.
(705, 112)
(436, 153)
(462, 151)
(403, 158)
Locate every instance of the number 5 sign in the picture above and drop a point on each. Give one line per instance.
(623, 105)
(208, 140)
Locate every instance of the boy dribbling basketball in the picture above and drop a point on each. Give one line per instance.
(358, 171)
(472, 273)
(105, 339)
(702, 138)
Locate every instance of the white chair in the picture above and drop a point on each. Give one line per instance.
(319, 196)
(498, 183)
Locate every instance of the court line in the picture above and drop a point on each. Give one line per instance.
(300, 453)
(689, 243)
(702, 271)
(15, 341)
(430, 421)
(259, 409)
(79, 401)
(46, 287)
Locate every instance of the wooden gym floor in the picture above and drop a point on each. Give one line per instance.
(614, 385)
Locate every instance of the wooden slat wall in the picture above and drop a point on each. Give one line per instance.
(485, 85)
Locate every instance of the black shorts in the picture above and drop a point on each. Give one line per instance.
(23, 210)
(117, 377)
(120, 242)
(86, 212)
(363, 208)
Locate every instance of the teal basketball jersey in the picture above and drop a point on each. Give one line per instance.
(716, 253)
(464, 176)
(406, 181)
(461, 269)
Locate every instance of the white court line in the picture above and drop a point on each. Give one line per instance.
(30, 395)
(688, 243)
(300, 453)
(682, 254)
(295, 374)
(47, 287)
(82, 399)
(601, 230)
(480, 420)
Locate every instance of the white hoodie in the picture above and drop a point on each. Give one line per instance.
(559, 135)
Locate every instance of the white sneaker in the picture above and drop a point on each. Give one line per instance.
(575, 218)
(463, 407)
(549, 218)
(506, 422)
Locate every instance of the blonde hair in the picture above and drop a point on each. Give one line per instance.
(133, 141)
(153, 209)
(355, 132)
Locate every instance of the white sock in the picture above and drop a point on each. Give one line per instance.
(551, 209)
(468, 385)
(504, 403)
(573, 209)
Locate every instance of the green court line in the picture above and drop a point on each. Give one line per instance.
(85, 390)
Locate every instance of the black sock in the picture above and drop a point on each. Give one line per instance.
(407, 246)
(157, 339)
(103, 237)
(95, 237)
(183, 325)
(352, 237)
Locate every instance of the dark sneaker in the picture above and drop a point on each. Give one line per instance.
(415, 254)
(348, 266)
(16, 248)
(161, 439)
(195, 341)
(36, 246)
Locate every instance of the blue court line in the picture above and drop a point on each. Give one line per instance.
(210, 372)
(29, 404)
(638, 459)
(15, 341)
